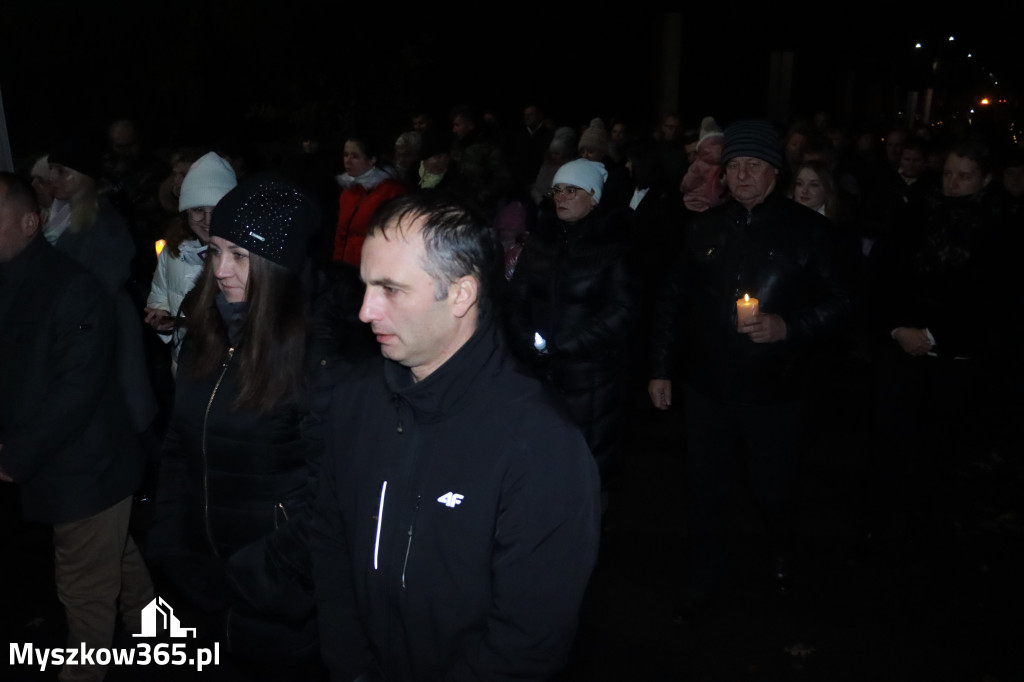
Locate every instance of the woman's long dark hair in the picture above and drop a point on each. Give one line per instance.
(272, 352)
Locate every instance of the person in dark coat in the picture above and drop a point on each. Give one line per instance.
(65, 436)
(942, 341)
(742, 378)
(571, 302)
(98, 239)
(456, 523)
(244, 442)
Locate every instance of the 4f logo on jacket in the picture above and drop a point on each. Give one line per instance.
(451, 499)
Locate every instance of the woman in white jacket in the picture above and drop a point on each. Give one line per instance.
(181, 260)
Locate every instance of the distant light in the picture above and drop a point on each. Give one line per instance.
(984, 100)
(969, 55)
(160, 244)
(918, 46)
(972, 111)
(951, 38)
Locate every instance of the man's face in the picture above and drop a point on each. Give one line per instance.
(461, 126)
(962, 177)
(1013, 181)
(750, 180)
(894, 146)
(531, 116)
(911, 163)
(15, 233)
(412, 327)
(670, 128)
(420, 122)
(178, 172)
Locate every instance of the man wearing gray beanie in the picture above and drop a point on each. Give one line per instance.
(757, 291)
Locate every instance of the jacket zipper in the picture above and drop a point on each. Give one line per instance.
(206, 469)
(408, 545)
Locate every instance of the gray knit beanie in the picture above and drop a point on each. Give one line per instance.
(206, 183)
(756, 139)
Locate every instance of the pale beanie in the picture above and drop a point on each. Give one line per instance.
(595, 136)
(206, 182)
(590, 175)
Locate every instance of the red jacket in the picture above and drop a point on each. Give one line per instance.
(355, 206)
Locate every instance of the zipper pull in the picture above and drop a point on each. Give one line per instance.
(398, 412)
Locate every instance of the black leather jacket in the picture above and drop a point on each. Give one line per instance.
(781, 253)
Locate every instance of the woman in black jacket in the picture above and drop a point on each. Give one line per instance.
(244, 444)
(571, 305)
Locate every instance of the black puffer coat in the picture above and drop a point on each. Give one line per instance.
(572, 286)
(234, 485)
(780, 253)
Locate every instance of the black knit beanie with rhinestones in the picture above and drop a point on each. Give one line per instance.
(269, 216)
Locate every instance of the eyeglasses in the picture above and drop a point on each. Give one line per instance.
(198, 213)
(567, 190)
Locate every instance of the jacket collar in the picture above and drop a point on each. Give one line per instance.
(433, 397)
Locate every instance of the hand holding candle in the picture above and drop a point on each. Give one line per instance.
(746, 308)
(759, 327)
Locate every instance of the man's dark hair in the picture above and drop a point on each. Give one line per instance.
(456, 240)
(19, 191)
(977, 150)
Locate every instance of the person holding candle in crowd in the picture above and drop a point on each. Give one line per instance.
(181, 260)
(740, 379)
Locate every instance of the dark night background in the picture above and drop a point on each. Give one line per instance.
(191, 68)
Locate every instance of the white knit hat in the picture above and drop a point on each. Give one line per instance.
(206, 182)
(590, 175)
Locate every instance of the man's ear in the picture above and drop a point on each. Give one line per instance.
(466, 291)
(29, 224)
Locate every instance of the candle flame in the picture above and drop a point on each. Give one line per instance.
(746, 297)
(160, 244)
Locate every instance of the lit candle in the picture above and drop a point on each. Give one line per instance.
(746, 308)
(160, 244)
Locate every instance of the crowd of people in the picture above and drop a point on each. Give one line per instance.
(306, 347)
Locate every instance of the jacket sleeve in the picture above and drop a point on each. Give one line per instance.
(81, 341)
(158, 297)
(545, 546)
(831, 308)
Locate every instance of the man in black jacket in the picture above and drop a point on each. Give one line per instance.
(457, 520)
(65, 436)
(742, 375)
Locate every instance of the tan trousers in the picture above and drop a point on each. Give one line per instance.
(99, 569)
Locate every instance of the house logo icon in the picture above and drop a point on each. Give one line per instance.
(158, 616)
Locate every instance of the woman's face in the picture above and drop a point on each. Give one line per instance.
(808, 189)
(199, 221)
(64, 181)
(230, 264)
(357, 162)
(575, 206)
